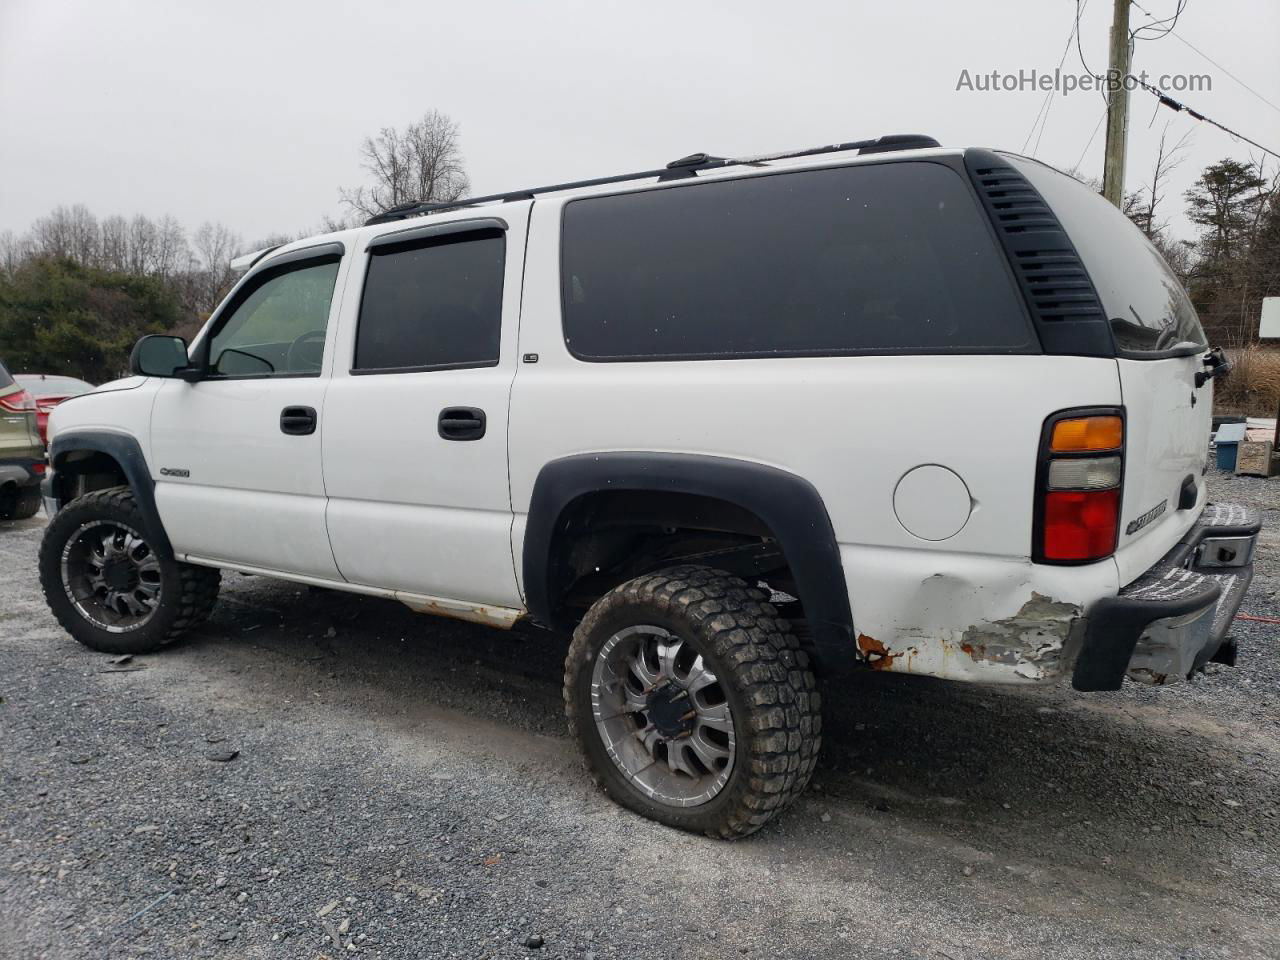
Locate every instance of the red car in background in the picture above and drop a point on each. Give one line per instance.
(49, 391)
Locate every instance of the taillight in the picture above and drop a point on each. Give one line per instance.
(1078, 485)
(20, 402)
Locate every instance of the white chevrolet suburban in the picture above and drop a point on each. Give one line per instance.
(936, 411)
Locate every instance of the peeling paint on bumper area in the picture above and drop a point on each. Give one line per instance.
(1033, 644)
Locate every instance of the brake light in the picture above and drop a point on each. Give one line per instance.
(38, 468)
(20, 402)
(1079, 486)
(1080, 526)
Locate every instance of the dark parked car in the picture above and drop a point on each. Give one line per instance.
(49, 391)
(21, 451)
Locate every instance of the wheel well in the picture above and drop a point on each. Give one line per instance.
(605, 538)
(78, 472)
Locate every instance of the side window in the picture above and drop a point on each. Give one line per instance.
(432, 304)
(278, 326)
(872, 258)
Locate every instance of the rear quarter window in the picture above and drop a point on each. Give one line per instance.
(1148, 308)
(875, 258)
(5, 379)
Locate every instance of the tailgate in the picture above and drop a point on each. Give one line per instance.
(1168, 420)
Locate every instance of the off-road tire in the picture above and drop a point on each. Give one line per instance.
(187, 592)
(19, 503)
(767, 679)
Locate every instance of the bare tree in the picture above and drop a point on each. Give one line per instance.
(172, 253)
(68, 232)
(140, 245)
(422, 162)
(14, 251)
(1168, 159)
(115, 243)
(215, 246)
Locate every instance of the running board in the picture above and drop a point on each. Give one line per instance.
(492, 615)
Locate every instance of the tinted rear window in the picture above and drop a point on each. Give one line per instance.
(5, 379)
(1149, 310)
(433, 305)
(883, 258)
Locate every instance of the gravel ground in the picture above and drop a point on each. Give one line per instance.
(312, 768)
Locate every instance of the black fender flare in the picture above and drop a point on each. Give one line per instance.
(127, 452)
(790, 506)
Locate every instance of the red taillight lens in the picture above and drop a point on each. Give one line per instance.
(1079, 525)
(1078, 483)
(38, 468)
(20, 402)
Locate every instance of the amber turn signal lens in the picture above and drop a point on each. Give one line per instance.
(1087, 433)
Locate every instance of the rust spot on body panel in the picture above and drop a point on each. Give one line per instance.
(876, 653)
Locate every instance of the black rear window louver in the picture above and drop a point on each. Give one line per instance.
(1064, 305)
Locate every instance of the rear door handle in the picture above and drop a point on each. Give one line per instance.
(298, 421)
(461, 423)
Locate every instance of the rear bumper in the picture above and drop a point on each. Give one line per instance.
(1174, 619)
(21, 472)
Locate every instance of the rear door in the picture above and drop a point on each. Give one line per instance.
(415, 436)
(1159, 347)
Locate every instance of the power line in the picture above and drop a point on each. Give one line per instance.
(1092, 136)
(1047, 104)
(1188, 43)
(1177, 107)
(1154, 24)
(1080, 50)
(1096, 127)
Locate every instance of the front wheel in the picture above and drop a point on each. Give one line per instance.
(693, 701)
(107, 585)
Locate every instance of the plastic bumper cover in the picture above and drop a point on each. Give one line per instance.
(1174, 619)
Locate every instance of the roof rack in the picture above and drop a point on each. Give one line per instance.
(675, 170)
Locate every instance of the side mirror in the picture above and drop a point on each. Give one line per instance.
(159, 356)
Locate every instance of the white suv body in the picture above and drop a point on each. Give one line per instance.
(838, 375)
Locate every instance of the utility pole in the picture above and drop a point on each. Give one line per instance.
(1117, 107)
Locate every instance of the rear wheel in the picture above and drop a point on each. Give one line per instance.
(19, 503)
(693, 701)
(108, 586)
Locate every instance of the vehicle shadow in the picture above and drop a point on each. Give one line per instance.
(1072, 781)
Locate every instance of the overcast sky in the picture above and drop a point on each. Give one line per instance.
(251, 113)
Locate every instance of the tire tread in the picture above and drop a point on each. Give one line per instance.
(198, 590)
(784, 723)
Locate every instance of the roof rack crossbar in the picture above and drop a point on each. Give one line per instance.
(677, 169)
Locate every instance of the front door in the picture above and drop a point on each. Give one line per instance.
(415, 434)
(237, 455)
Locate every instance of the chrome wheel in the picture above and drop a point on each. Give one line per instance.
(111, 575)
(663, 716)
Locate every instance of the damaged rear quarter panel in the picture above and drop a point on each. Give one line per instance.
(984, 619)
